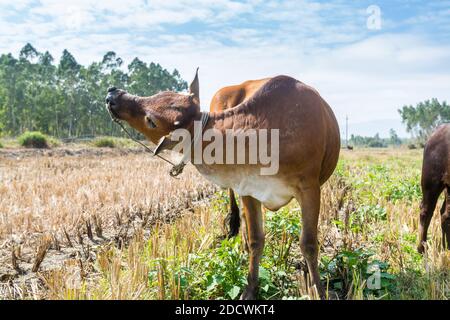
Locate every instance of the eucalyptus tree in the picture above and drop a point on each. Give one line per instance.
(67, 99)
(421, 120)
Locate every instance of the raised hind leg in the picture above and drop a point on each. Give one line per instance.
(445, 220)
(256, 238)
(309, 199)
(430, 196)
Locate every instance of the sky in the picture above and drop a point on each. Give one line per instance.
(366, 58)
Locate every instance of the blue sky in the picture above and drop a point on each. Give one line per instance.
(363, 71)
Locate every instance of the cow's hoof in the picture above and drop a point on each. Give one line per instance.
(249, 294)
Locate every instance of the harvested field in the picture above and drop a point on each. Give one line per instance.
(69, 202)
(135, 233)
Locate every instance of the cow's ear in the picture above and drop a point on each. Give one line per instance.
(165, 143)
(194, 89)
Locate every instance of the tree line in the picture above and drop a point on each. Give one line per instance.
(66, 99)
(376, 141)
(420, 120)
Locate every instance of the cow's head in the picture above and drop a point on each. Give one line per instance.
(159, 115)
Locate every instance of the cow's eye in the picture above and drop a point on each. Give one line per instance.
(150, 122)
(177, 108)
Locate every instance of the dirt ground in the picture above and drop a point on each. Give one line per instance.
(75, 151)
(68, 203)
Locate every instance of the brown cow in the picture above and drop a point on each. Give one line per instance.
(436, 178)
(309, 146)
(227, 98)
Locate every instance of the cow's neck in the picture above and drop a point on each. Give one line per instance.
(219, 121)
(212, 123)
(224, 120)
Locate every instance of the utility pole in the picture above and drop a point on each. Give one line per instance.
(346, 130)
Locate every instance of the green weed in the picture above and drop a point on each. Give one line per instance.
(33, 139)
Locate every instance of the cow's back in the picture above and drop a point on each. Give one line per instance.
(231, 96)
(307, 125)
(309, 141)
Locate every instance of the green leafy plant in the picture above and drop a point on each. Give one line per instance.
(104, 142)
(277, 269)
(283, 229)
(217, 273)
(33, 139)
(224, 275)
(53, 142)
(113, 142)
(369, 213)
(353, 270)
(404, 189)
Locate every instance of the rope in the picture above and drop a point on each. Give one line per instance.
(114, 119)
(177, 169)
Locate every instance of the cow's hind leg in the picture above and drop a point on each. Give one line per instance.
(309, 199)
(233, 219)
(445, 220)
(429, 200)
(255, 232)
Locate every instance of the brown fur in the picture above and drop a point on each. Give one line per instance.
(435, 179)
(227, 98)
(309, 150)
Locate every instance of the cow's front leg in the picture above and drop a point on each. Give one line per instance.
(255, 233)
(431, 195)
(445, 221)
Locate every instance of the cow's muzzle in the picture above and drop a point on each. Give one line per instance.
(111, 96)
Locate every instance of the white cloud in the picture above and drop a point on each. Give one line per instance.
(363, 74)
(136, 13)
(367, 80)
(17, 4)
